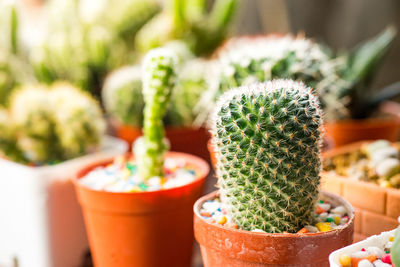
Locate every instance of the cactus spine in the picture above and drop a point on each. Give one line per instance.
(158, 81)
(267, 137)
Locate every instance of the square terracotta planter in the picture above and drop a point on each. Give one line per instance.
(41, 222)
(376, 208)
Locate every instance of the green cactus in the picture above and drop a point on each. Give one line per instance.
(158, 82)
(79, 123)
(8, 139)
(267, 138)
(122, 91)
(122, 95)
(55, 124)
(189, 20)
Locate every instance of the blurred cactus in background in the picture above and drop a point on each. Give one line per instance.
(189, 20)
(87, 39)
(122, 90)
(53, 124)
(122, 95)
(8, 139)
(341, 81)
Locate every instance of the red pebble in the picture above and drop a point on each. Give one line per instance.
(363, 249)
(386, 259)
(319, 210)
(231, 225)
(205, 214)
(303, 231)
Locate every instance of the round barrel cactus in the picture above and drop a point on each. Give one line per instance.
(267, 138)
(55, 124)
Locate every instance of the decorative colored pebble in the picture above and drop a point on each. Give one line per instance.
(122, 176)
(326, 221)
(323, 227)
(303, 231)
(222, 220)
(345, 260)
(372, 256)
(386, 258)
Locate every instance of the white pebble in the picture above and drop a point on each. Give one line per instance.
(360, 254)
(341, 210)
(379, 263)
(322, 217)
(258, 231)
(344, 220)
(325, 206)
(389, 244)
(375, 250)
(365, 263)
(386, 166)
(311, 229)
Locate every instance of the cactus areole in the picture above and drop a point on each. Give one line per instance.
(158, 81)
(267, 138)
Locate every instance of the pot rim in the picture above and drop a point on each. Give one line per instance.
(333, 232)
(200, 164)
(389, 119)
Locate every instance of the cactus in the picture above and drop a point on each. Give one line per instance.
(55, 124)
(267, 138)
(8, 139)
(122, 91)
(79, 124)
(122, 95)
(158, 82)
(189, 20)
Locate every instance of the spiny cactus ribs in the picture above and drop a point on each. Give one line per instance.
(158, 81)
(267, 138)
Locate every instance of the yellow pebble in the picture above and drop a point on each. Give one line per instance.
(135, 189)
(337, 220)
(385, 184)
(222, 220)
(323, 226)
(391, 239)
(345, 260)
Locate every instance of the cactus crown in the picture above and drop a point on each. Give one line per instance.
(158, 82)
(267, 138)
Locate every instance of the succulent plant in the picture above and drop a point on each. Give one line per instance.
(55, 124)
(341, 81)
(267, 138)
(122, 91)
(8, 138)
(346, 92)
(189, 20)
(122, 95)
(158, 82)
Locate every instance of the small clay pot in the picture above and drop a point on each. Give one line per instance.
(221, 246)
(142, 229)
(183, 139)
(349, 131)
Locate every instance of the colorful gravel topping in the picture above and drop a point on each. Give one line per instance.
(372, 256)
(327, 217)
(122, 176)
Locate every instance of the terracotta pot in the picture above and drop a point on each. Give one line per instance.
(188, 140)
(376, 208)
(349, 131)
(142, 229)
(221, 246)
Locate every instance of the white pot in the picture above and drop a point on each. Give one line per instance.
(41, 223)
(375, 240)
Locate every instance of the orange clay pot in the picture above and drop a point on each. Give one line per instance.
(188, 140)
(349, 131)
(222, 247)
(142, 229)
